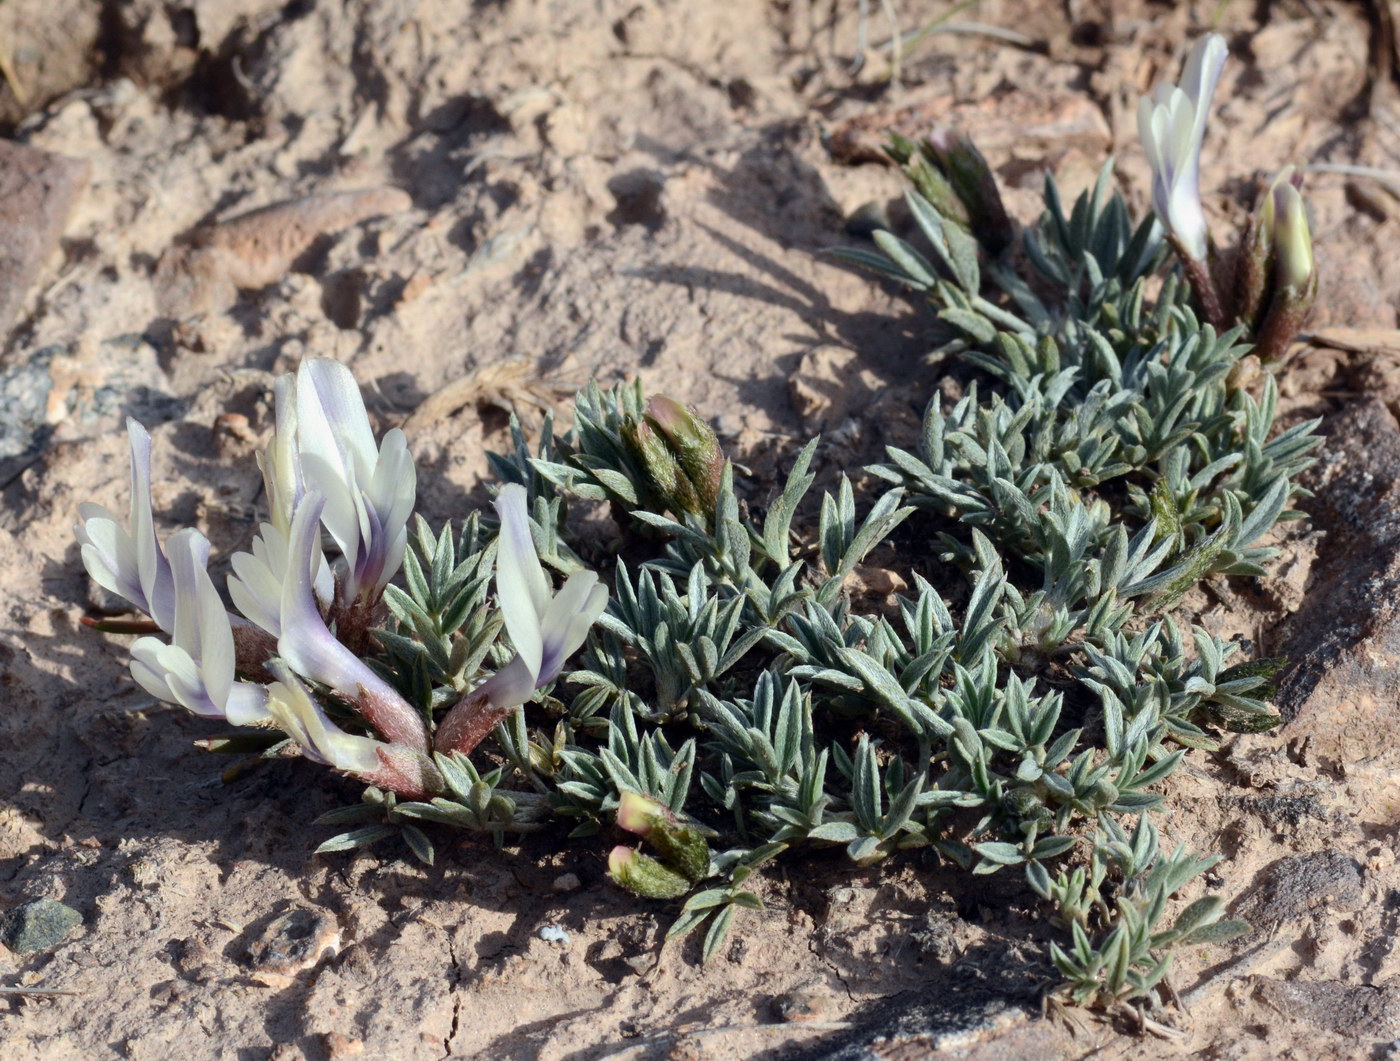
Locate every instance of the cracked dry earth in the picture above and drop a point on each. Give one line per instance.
(479, 206)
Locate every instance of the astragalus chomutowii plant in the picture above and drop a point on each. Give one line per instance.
(730, 697)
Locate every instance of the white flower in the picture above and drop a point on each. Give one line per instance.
(369, 493)
(1172, 125)
(545, 628)
(197, 669)
(321, 740)
(129, 562)
(259, 575)
(279, 462)
(308, 646)
(403, 770)
(258, 578)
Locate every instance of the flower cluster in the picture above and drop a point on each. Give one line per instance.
(1019, 709)
(301, 632)
(1268, 283)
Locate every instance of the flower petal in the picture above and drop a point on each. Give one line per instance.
(301, 718)
(258, 578)
(331, 419)
(566, 623)
(310, 649)
(522, 591)
(154, 571)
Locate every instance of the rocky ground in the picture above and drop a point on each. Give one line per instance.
(479, 206)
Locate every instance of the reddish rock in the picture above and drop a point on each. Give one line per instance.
(37, 193)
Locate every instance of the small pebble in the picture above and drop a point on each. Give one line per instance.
(339, 1046)
(804, 1004)
(38, 924)
(554, 934)
(566, 882)
(292, 943)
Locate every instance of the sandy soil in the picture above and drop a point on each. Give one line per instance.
(607, 188)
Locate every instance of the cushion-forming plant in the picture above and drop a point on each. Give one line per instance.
(730, 698)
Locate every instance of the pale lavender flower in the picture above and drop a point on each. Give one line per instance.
(259, 575)
(368, 492)
(1172, 125)
(197, 669)
(545, 628)
(309, 647)
(279, 461)
(391, 766)
(129, 561)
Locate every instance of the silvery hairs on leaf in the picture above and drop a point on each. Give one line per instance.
(128, 561)
(1172, 125)
(369, 492)
(545, 628)
(197, 669)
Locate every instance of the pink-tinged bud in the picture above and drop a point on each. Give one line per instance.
(639, 814)
(682, 848)
(618, 858)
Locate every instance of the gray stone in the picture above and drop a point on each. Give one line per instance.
(1339, 698)
(1300, 885)
(982, 1022)
(1358, 1011)
(88, 393)
(38, 924)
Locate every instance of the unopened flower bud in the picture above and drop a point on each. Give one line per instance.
(644, 876)
(1292, 239)
(928, 180)
(663, 471)
(1295, 275)
(972, 180)
(683, 849)
(680, 846)
(1254, 264)
(637, 813)
(694, 445)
